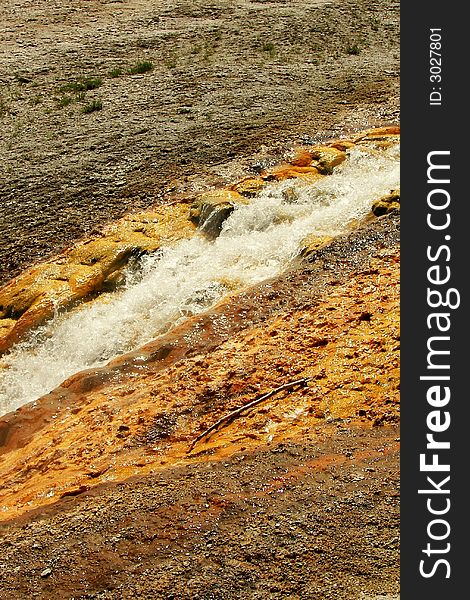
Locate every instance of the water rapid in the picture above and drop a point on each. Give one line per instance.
(257, 241)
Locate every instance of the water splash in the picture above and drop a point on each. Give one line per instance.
(257, 241)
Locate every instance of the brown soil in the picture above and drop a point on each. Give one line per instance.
(311, 519)
(228, 79)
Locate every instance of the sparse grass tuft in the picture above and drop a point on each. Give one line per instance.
(91, 83)
(270, 48)
(70, 87)
(354, 49)
(65, 101)
(92, 106)
(141, 67)
(85, 84)
(116, 73)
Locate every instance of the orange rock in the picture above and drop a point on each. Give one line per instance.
(287, 171)
(42, 309)
(302, 157)
(77, 437)
(321, 158)
(31, 298)
(391, 130)
(310, 244)
(386, 204)
(326, 158)
(250, 186)
(342, 145)
(215, 198)
(381, 137)
(210, 209)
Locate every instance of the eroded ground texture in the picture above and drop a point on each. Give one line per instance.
(229, 79)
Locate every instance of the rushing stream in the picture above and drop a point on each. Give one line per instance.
(257, 241)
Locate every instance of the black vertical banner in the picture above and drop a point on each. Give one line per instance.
(434, 269)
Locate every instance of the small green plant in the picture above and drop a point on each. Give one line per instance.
(85, 84)
(270, 48)
(70, 87)
(65, 101)
(354, 49)
(116, 73)
(92, 106)
(141, 67)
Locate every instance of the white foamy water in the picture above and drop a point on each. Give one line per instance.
(257, 242)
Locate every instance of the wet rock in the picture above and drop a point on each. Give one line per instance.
(308, 163)
(381, 137)
(342, 145)
(390, 130)
(6, 325)
(165, 393)
(310, 244)
(301, 157)
(387, 204)
(325, 158)
(113, 282)
(38, 293)
(290, 195)
(250, 186)
(287, 171)
(211, 209)
(91, 267)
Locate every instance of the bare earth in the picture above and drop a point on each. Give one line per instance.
(299, 499)
(229, 79)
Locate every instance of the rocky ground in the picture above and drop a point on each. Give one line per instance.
(313, 518)
(103, 493)
(226, 80)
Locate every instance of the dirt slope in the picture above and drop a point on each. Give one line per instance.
(228, 79)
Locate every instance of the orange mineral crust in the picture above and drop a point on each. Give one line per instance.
(336, 327)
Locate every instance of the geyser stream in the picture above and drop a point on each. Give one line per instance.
(257, 241)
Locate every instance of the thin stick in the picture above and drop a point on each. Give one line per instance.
(238, 411)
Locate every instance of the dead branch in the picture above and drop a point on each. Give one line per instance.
(235, 413)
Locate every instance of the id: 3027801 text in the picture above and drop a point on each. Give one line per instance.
(435, 67)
